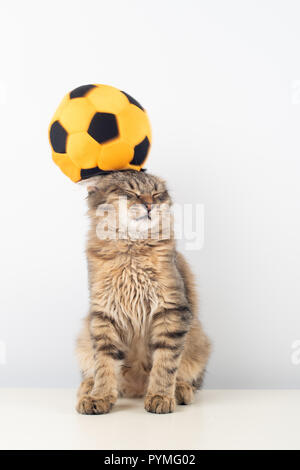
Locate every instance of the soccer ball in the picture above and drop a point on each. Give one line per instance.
(98, 128)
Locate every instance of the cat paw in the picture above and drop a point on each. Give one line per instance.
(159, 404)
(89, 405)
(184, 393)
(86, 387)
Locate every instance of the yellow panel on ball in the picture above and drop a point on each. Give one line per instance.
(107, 99)
(83, 150)
(134, 124)
(67, 166)
(76, 115)
(115, 155)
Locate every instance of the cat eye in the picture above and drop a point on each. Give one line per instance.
(131, 194)
(160, 196)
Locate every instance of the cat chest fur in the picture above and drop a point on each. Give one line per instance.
(129, 292)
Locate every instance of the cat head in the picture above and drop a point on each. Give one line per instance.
(130, 203)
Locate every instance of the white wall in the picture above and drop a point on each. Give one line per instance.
(219, 80)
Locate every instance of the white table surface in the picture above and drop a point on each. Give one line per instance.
(219, 419)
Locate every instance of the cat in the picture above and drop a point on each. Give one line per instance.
(142, 336)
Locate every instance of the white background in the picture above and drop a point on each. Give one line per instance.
(221, 83)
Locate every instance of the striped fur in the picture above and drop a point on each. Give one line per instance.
(142, 336)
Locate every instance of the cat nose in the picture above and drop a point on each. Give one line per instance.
(147, 201)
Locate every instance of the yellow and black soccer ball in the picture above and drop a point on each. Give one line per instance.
(98, 128)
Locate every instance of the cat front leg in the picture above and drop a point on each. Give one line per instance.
(169, 328)
(108, 355)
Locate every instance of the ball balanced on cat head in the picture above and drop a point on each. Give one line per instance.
(97, 129)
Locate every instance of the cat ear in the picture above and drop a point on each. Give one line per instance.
(91, 188)
(90, 184)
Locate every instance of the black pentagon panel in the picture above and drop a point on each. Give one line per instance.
(81, 91)
(58, 137)
(140, 152)
(103, 127)
(133, 101)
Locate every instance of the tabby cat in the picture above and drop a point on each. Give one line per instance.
(142, 336)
